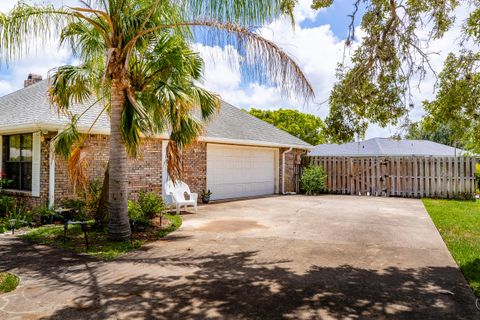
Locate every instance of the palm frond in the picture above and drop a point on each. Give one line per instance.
(267, 62)
(243, 12)
(72, 84)
(132, 127)
(208, 102)
(185, 133)
(77, 163)
(26, 23)
(174, 161)
(84, 41)
(64, 141)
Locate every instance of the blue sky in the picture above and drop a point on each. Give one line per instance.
(336, 16)
(316, 43)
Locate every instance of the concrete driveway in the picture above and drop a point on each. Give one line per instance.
(292, 257)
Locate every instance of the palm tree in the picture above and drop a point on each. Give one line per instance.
(115, 36)
(164, 73)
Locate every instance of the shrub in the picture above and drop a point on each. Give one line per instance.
(46, 214)
(313, 180)
(3, 181)
(150, 204)
(79, 206)
(7, 205)
(93, 195)
(8, 282)
(24, 217)
(136, 214)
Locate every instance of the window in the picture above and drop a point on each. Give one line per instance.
(17, 163)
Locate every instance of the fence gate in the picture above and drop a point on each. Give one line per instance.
(443, 177)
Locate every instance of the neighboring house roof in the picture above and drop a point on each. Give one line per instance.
(386, 147)
(30, 109)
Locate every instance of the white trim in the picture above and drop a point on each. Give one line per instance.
(253, 143)
(164, 166)
(51, 178)
(283, 169)
(45, 127)
(277, 171)
(36, 159)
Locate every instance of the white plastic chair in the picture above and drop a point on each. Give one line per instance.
(177, 192)
(168, 192)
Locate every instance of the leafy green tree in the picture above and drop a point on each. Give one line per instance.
(441, 133)
(457, 100)
(304, 126)
(128, 60)
(374, 86)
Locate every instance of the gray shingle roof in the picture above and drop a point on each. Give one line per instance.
(30, 107)
(386, 147)
(233, 123)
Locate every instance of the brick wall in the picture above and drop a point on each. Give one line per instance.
(97, 151)
(195, 167)
(292, 159)
(144, 173)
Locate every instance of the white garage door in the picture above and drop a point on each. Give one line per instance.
(234, 172)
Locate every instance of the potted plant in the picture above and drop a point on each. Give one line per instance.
(206, 196)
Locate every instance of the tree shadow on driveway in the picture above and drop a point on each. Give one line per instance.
(237, 286)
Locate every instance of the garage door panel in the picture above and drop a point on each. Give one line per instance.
(234, 172)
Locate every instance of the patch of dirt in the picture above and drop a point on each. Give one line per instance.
(231, 226)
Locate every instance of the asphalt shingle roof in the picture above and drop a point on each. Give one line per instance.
(30, 106)
(386, 147)
(233, 123)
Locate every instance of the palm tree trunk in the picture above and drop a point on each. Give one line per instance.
(101, 213)
(119, 226)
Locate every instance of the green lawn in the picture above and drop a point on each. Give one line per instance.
(459, 224)
(99, 245)
(8, 282)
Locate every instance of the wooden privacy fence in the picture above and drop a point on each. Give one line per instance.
(442, 177)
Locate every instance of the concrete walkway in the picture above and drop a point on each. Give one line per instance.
(292, 257)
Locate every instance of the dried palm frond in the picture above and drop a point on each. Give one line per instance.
(77, 163)
(174, 161)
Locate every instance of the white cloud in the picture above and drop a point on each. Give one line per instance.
(37, 61)
(43, 56)
(303, 11)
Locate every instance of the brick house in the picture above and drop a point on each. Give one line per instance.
(237, 156)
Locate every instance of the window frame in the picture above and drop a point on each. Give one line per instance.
(20, 163)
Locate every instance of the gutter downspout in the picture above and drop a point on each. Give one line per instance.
(283, 168)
